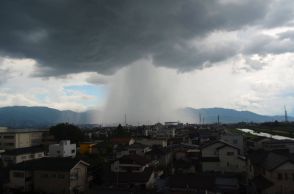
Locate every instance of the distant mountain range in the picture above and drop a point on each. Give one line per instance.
(39, 117)
(228, 115)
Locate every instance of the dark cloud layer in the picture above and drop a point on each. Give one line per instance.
(67, 36)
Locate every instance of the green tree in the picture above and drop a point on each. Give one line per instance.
(120, 131)
(64, 131)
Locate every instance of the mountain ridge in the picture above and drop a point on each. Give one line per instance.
(43, 117)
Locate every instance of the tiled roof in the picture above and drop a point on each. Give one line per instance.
(138, 146)
(134, 159)
(48, 164)
(204, 182)
(261, 183)
(190, 181)
(130, 177)
(267, 160)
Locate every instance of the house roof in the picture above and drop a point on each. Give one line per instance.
(192, 181)
(130, 177)
(258, 138)
(223, 144)
(28, 150)
(49, 164)
(204, 181)
(138, 146)
(133, 159)
(261, 183)
(120, 140)
(268, 160)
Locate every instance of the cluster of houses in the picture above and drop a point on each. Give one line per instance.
(171, 158)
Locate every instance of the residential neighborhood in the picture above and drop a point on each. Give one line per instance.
(210, 158)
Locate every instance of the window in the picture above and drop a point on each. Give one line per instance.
(228, 164)
(32, 156)
(235, 141)
(18, 174)
(73, 151)
(280, 176)
(230, 153)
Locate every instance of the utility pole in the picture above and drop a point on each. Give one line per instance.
(286, 115)
(125, 119)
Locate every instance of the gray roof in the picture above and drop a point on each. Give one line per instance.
(48, 164)
(27, 150)
(268, 160)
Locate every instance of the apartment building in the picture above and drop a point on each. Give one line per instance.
(12, 139)
(19, 155)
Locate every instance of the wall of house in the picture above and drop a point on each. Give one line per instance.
(51, 182)
(150, 142)
(210, 151)
(19, 179)
(230, 161)
(118, 167)
(210, 166)
(283, 179)
(236, 140)
(86, 148)
(78, 178)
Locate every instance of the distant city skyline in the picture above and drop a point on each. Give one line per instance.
(148, 58)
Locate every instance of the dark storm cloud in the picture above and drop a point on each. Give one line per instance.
(67, 36)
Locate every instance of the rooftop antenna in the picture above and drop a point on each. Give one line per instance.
(286, 115)
(217, 119)
(200, 119)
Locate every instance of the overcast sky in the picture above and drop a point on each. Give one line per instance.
(147, 57)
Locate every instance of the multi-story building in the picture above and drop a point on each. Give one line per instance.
(19, 155)
(235, 140)
(271, 172)
(63, 149)
(222, 157)
(12, 139)
(49, 175)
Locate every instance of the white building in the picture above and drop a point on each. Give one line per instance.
(63, 149)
